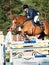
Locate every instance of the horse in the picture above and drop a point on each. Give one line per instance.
(28, 26)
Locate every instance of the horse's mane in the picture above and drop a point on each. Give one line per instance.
(14, 17)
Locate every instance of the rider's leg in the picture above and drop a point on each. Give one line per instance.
(41, 25)
(33, 22)
(36, 20)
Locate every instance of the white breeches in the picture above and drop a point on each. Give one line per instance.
(36, 18)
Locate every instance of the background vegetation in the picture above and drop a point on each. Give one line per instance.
(10, 8)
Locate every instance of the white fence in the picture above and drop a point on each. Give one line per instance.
(24, 50)
(28, 51)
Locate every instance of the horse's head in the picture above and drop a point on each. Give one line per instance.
(18, 20)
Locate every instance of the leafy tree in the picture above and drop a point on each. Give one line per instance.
(4, 21)
(12, 7)
(8, 8)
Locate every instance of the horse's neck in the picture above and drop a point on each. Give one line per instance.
(21, 19)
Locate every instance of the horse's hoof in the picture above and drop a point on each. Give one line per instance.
(40, 37)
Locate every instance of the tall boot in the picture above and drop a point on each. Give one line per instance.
(41, 26)
(38, 23)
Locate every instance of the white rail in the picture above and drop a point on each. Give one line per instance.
(21, 43)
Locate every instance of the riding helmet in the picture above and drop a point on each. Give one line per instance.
(25, 6)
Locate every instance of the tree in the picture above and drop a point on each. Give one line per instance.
(12, 7)
(8, 8)
(4, 21)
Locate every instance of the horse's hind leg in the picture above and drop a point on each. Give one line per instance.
(46, 31)
(42, 35)
(46, 28)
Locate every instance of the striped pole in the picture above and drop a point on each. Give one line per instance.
(4, 52)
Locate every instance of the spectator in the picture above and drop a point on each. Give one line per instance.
(9, 35)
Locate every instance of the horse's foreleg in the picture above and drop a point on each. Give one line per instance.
(22, 32)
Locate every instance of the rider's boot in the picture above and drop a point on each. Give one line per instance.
(40, 24)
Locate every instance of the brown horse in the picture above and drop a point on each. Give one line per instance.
(28, 27)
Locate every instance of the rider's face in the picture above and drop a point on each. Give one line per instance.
(25, 10)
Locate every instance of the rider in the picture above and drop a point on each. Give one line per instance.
(33, 15)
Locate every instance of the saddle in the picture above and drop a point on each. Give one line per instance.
(39, 23)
